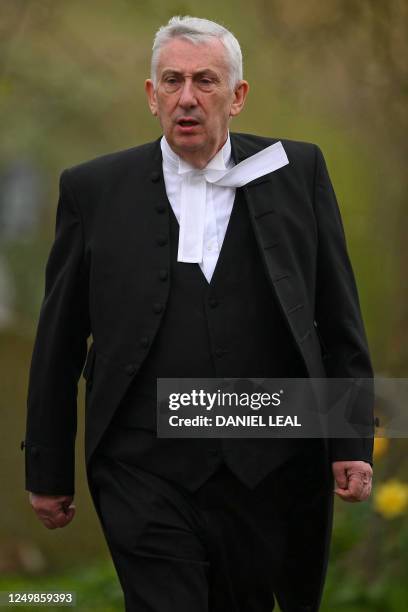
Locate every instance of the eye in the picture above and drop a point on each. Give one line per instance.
(171, 83)
(206, 82)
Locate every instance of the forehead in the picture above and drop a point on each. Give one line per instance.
(184, 56)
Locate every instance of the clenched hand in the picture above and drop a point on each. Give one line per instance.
(353, 480)
(53, 510)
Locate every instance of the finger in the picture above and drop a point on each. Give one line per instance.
(366, 491)
(68, 507)
(355, 486)
(353, 496)
(63, 518)
(47, 522)
(58, 517)
(341, 483)
(44, 515)
(345, 495)
(351, 493)
(51, 508)
(340, 477)
(45, 508)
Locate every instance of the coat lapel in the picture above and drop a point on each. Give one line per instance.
(266, 197)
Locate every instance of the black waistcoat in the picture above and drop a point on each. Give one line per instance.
(231, 327)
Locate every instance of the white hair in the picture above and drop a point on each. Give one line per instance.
(198, 31)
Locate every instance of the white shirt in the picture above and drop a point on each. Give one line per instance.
(219, 201)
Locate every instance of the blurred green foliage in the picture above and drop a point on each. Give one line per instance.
(96, 587)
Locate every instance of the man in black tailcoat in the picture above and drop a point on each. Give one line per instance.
(182, 260)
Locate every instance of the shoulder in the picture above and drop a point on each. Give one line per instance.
(297, 149)
(304, 157)
(111, 166)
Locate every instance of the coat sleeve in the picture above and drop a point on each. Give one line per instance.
(58, 356)
(338, 318)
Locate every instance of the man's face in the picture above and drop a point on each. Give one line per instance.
(193, 99)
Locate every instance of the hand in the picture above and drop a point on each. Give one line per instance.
(353, 480)
(53, 510)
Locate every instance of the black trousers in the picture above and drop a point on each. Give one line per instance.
(221, 548)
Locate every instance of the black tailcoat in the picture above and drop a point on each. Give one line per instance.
(107, 276)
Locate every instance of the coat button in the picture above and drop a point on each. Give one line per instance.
(160, 208)
(213, 303)
(22, 444)
(144, 342)
(34, 451)
(155, 176)
(157, 308)
(130, 369)
(161, 240)
(163, 274)
(219, 352)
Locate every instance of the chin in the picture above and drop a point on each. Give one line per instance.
(188, 143)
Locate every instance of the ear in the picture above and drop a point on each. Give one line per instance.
(151, 96)
(240, 94)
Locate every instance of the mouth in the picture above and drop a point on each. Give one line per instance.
(187, 122)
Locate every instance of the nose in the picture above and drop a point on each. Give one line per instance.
(187, 97)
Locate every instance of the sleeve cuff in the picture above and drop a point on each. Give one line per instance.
(49, 471)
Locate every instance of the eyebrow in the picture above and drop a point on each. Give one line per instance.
(201, 72)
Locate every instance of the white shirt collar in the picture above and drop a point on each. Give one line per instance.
(220, 161)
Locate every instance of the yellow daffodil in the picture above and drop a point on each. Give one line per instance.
(380, 447)
(391, 498)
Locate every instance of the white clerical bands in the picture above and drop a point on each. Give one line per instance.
(193, 194)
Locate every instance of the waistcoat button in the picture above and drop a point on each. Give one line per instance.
(161, 240)
(157, 308)
(130, 369)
